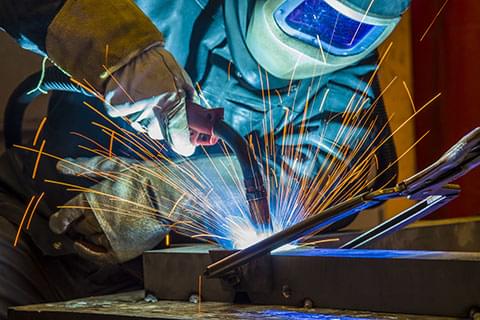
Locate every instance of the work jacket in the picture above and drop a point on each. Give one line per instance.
(214, 54)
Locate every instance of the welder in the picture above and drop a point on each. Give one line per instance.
(144, 58)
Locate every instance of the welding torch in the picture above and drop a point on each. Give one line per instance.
(206, 127)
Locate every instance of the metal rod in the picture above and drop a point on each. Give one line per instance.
(410, 215)
(309, 225)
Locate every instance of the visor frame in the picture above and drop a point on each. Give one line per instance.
(286, 7)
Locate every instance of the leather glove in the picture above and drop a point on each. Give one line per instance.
(152, 91)
(115, 220)
(136, 205)
(118, 51)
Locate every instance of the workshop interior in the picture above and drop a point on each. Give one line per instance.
(239, 159)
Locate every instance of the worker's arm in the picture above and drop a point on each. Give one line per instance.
(112, 47)
(27, 21)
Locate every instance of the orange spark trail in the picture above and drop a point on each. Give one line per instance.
(37, 161)
(106, 54)
(228, 69)
(17, 237)
(34, 209)
(110, 147)
(39, 129)
(409, 96)
(433, 21)
(118, 84)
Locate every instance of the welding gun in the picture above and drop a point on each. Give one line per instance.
(206, 127)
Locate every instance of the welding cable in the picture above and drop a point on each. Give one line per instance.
(252, 175)
(42, 82)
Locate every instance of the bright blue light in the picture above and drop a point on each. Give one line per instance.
(289, 314)
(357, 253)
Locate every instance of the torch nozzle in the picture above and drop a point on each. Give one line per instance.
(258, 204)
(260, 214)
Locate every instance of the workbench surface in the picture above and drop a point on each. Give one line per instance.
(133, 306)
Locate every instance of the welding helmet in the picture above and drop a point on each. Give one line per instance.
(296, 39)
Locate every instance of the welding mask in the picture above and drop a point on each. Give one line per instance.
(296, 39)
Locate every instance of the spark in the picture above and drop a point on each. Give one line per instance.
(106, 54)
(167, 240)
(228, 70)
(39, 129)
(361, 22)
(27, 209)
(37, 161)
(112, 135)
(433, 21)
(409, 96)
(110, 75)
(35, 209)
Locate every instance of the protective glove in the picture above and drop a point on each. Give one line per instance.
(152, 91)
(116, 220)
(136, 205)
(118, 51)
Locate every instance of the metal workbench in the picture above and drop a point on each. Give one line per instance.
(133, 306)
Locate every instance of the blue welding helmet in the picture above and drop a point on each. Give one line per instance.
(296, 39)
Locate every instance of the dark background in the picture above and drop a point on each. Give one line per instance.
(448, 61)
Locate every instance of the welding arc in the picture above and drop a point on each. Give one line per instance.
(307, 226)
(252, 176)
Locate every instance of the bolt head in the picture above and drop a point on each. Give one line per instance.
(194, 298)
(286, 291)
(307, 303)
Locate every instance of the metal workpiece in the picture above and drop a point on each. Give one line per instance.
(412, 214)
(430, 186)
(288, 235)
(398, 281)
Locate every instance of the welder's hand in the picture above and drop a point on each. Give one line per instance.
(119, 52)
(79, 220)
(139, 201)
(116, 220)
(152, 91)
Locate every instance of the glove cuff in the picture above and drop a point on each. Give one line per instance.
(80, 33)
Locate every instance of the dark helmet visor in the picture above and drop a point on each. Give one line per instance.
(317, 23)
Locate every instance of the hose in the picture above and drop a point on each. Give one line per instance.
(50, 79)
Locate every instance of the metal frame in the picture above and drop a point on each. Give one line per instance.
(430, 186)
